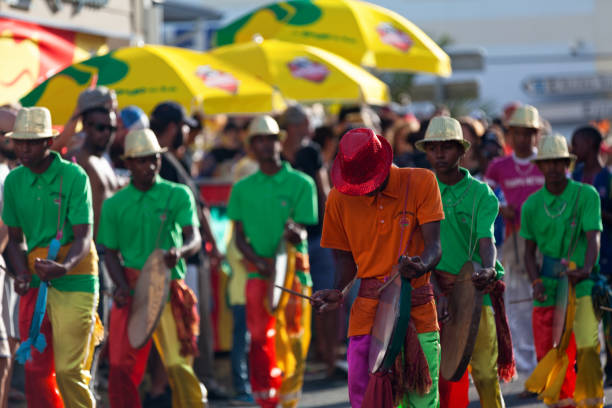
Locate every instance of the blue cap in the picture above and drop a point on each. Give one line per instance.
(134, 118)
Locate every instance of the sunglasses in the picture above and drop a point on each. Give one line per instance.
(101, 127)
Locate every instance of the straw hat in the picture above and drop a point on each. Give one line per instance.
(525, 116)
(141, 143)
(443, 129)
(263, 125)
(362, 163)
(553, 147)
(33, 123)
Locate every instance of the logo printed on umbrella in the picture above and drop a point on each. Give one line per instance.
(305, 68)
(394, 37)
(217, 79)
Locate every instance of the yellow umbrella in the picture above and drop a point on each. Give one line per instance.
(361, 32)
(145, 76)
(305, 73)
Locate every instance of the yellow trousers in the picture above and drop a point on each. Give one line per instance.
(484, 362)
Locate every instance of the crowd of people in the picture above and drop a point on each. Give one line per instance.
(341, 197)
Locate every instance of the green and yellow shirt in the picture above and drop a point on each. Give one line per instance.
(131, 220)
(470, 209)
(547, 220)
(263, 204)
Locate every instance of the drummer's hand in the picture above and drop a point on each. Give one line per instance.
(22, 283)
(326, 300)
(577, 275)
(171, 257)
(412, 267)
(442, 309)
(215, 257)
(265, 267)
(483, 279)
(121, 295)
(48, 269)
(294, 232)
(539, 292)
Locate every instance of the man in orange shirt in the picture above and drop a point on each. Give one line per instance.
(375, 213)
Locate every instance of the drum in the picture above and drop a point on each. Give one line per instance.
(554, 268)
(150, 297)
(390, 324)
(458, 335)
(283, 274)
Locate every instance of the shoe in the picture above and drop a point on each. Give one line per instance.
(243, 400)
(159, 401)
(527, 394)
(216, 391)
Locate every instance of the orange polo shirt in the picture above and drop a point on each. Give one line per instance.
(371, 228)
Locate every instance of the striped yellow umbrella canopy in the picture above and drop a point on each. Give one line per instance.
(145, 76)
(305, 73)
(361, 32)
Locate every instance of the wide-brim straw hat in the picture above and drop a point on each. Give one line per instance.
(443, 129)
(553, 147)
(263, 125)
(363, 162)
(33, 123)
(141, 143)
(526, 116)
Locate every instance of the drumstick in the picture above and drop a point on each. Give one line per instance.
(293, 292)
(514, 302)
(388, 282)
(607, 309)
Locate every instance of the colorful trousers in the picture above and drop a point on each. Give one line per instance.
(293, 328)
(264, 373)
(127, 364)
(59, 376)
(484, 370)
(358, 372)
(585, 389)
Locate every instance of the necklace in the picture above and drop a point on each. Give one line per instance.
(558, 214)
(522, 172)
(460, 199)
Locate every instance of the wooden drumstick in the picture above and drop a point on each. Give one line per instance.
(293, 292)
(388, 282)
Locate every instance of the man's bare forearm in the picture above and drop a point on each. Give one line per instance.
(592, 251)
(432, 253)
(345, 268)
(487, 252)
(243, 246)
(114, 267)
(530, 260)
(80, 246)
(192, 242)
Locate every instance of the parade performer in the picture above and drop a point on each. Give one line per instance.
(151, 212)
(563, 221)
(268, 207)
(374, 211)
(49, 198)
(518, 177)
(470, 209)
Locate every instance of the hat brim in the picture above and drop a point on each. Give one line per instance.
(571, 157)
(421, 143)
(143, 154)
(523, 125)
(31, 136)
(191, 122)
(381, 172)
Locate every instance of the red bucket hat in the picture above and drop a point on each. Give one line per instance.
(362, 163)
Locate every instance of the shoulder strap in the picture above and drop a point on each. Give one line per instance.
(574, 226)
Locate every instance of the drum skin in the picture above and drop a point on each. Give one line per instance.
(150, 297)
(458, 335)
(390, 324)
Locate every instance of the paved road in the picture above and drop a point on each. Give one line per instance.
(322, 393)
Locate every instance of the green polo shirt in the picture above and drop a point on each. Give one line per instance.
(131, 220)
(461, 200)
(31, 201)
(263, 204)
(546, 219)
